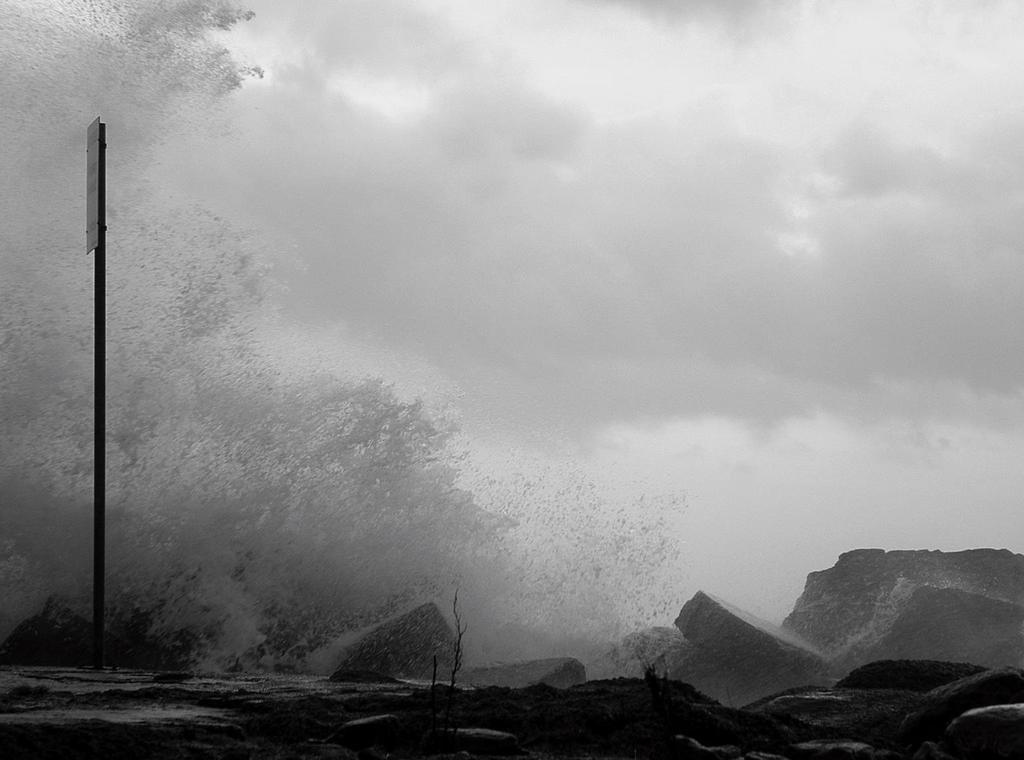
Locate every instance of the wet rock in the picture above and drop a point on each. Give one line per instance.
(987, 733)
(403, 647)
(560, 672)
(852, 611)
(687, 748)
(843, 711)
(805, 703)
(992, 687)
(367, 732)
(475, 741)
(660, 647)
(737, 658)
(912, 675)
(832, 750)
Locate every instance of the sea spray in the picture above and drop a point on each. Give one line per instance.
(260, 509)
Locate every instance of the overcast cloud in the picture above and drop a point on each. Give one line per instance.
(629, 222)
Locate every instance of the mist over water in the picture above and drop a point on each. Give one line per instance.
(265, 497)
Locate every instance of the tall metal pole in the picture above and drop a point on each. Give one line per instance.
(96, 238)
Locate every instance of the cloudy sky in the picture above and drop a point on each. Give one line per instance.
(768, 256)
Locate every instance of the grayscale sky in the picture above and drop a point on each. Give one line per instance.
(765, 257)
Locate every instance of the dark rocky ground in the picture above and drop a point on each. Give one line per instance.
(67, 713)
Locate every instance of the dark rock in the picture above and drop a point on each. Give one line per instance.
(763, 756)
(832, 750)
(737, 658)
(560, 672)
(987, 733)
(687, 748)
(475, 741)
(60, 636)
(662, 648)
(912, 675)
(404, 646)
(849, 610)
(992, 687)
(367, 732)
(954, 625)
(869, 715)
(933, 751)
(57, 636)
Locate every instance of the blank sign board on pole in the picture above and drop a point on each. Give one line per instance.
(95, 220)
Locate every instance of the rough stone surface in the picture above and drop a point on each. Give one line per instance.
(404, 647)
(660, 647)
(942, 705)
(869, 715)
(367, 732)
(989, 732)
(560, 672)
(849, 610)
(737, 658)
(913, 675)
(956, 626)
(832, 750)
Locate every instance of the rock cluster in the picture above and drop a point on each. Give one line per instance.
(965, 606)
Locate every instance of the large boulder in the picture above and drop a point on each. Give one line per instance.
(943, 704)
(473, 741)
(661, 647)
(989, 732)
(404, 646)
(366, 732)
(560, 672)
(737, 658)
(910, 675)
(875, 604)
(953, 625)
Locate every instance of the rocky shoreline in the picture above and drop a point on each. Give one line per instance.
(886, 656)
(46, 713)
